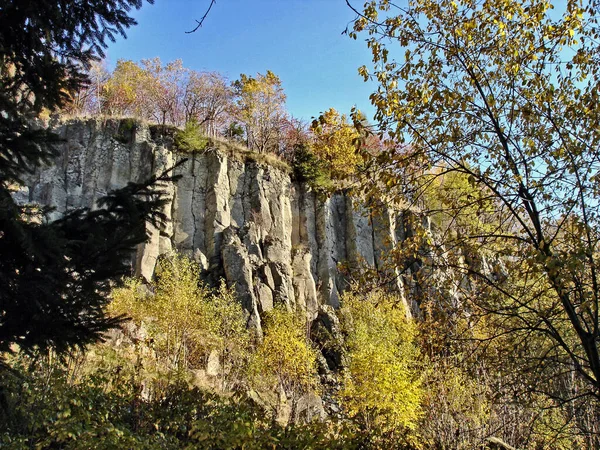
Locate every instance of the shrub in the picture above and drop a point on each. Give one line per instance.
(126, 131)
(285, 357)
(45, 405)
(382, 386)
(190, 139)
(309, 169)
(185, 319)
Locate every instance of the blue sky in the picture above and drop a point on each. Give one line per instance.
(299, 40)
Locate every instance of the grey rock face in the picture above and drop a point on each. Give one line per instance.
(271, 238)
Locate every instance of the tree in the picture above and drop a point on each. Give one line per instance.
(175, 314)
(456, 205)
(88, 98)
(261, 108)
(186, 320)
(126, 92)
(294, 133)
(381, 387)
(165, 90)
(505, 93)
(285, 357)
(335, 143)
(54, 276)
(207, 99)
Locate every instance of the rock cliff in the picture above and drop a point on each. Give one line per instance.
(269, 236)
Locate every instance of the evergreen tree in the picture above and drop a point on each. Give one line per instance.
(54, 275)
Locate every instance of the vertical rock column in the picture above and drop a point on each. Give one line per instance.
(189, 209)
(331, 240)
(218, 215)
(160, 241)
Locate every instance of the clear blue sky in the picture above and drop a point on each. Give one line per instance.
(299, 40)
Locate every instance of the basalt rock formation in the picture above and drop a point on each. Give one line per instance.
(241, 218)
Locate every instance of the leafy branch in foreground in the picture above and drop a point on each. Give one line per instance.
(505, 94)
(53, 274)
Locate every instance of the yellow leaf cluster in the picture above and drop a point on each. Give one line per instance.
(285, 356)
(185, 320)
(335, 144)
(382, 387)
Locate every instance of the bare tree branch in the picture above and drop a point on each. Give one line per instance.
(201, 21)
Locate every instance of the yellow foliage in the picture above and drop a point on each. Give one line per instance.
(285, 355)
(457, 408)
(260, 104)
(335, 144)
(382, 386)
(185, 319)
(123, 92)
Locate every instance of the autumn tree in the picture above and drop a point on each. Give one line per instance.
(381, 385)
(335, 144)
(261, 107)
(455, 204)
(294, 133)
(126, 91)
(285, 358)
(162, 93)
(505, 94)
(176, 313)
(207, 99)
(165, 90)
(88, 98)
(186, 320)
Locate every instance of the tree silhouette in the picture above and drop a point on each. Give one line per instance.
(54, 276)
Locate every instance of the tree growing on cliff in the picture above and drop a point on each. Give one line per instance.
(260, 105)
(208, 98)
(87, 100)
(54, 276)
(335, 143)
(506, 94)
(126, 92)
(165, 90)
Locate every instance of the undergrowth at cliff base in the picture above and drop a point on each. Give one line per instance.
(186, 372)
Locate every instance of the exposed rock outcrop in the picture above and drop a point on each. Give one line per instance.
(270, 237)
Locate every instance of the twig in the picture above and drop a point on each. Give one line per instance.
(201, 21)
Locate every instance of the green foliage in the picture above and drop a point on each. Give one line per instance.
(190, 139)
(382, 386)
(126, 131)
(235, 132)
(44, 408)
(50, 405)
(308, 168)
